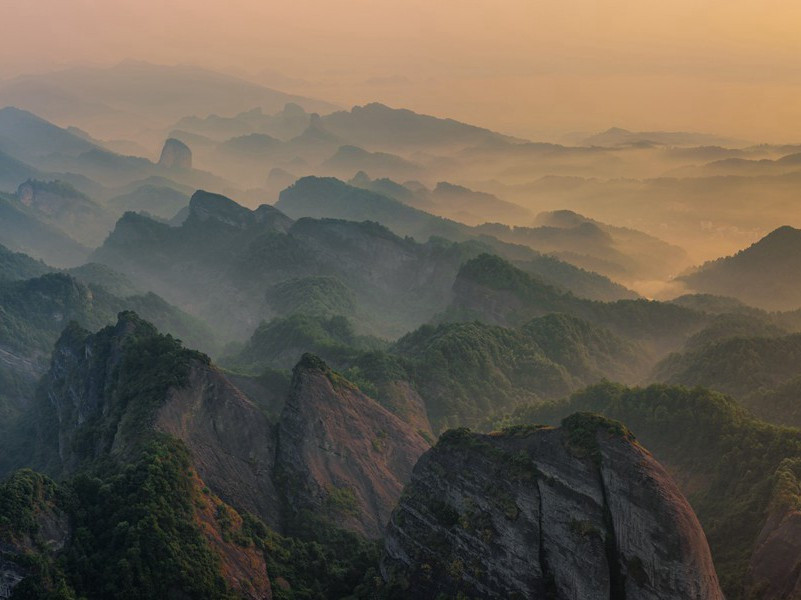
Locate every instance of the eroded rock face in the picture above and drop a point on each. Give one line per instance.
(231, 441)
(175, 155)
(773, 570)
(577, 512)
(340, 453)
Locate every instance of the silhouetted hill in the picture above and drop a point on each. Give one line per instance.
(378, 126)
(764, 274)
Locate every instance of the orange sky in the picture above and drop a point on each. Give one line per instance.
(531, 67)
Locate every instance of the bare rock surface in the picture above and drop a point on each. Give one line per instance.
(581, 511)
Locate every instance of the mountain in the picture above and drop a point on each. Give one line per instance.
(150, 436)
(445, 200)
(35, 311)
(727, 464)
(329, 197)
(616, 252)
(495, 291)
(175, 155)
(762, 372)
(472, 207)
(284, 125)
(617, 136)
(583, 511)
(348, 160)
(23, 230)
(368, 451)
(30, 138)
(120, 100)
(16, 265)
(466, 371)
(452, 374)
(379, 127)
(61, 205)
(13, 172)
(157, 200)
(224, 251)
(762, 275)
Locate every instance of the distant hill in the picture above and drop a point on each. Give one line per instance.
(159, 201)
(376, 126)
(328, 197)
(351, 159)
(22, 230)
(130, 96)
(16, 265)
(62, 206)
(495, 291)
(617, 136)
(32, 138)
(765, 274)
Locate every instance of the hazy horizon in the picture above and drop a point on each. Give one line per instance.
(533, 70)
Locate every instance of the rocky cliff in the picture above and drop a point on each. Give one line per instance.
(340, 453)
(333, 450)
(175, 155)
(576, 512)
(773, 569)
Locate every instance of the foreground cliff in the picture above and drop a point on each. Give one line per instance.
(340, 453)
(576, 512)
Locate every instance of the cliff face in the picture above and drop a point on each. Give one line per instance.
(340, 453)
(175, 155)
(773, 570)
(333, 450)
(231, 441)
(576, 512)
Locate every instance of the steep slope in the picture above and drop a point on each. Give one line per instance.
(225, 253)
(451, 374)
(378, 126)
(341, 455)
(581, 512)
(62, 206)
(120, 100)
(31, 138)
(78, 539)
(466, 371)
(16, 265)
(741, 366)
(161, 201)
(22, 230)
(329, 197)
(333, 450)
(348, 160)
(617, 252)
(733, 469)
(493, 290)
(764, 274)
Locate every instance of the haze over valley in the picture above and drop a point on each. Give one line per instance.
(354, 305)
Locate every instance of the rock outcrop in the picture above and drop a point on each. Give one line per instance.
(231, 441)
(340, 453)
(333, 450)
(773, 569)
(175, 155)
(577, 512)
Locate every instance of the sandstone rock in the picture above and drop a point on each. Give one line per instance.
(340, 453)
(577, 512)
(175, 155)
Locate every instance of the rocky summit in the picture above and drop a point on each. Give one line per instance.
(580, 511)
(175, 155)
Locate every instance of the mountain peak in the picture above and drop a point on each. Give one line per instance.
(175, 155)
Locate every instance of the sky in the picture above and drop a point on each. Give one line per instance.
(528, 67)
